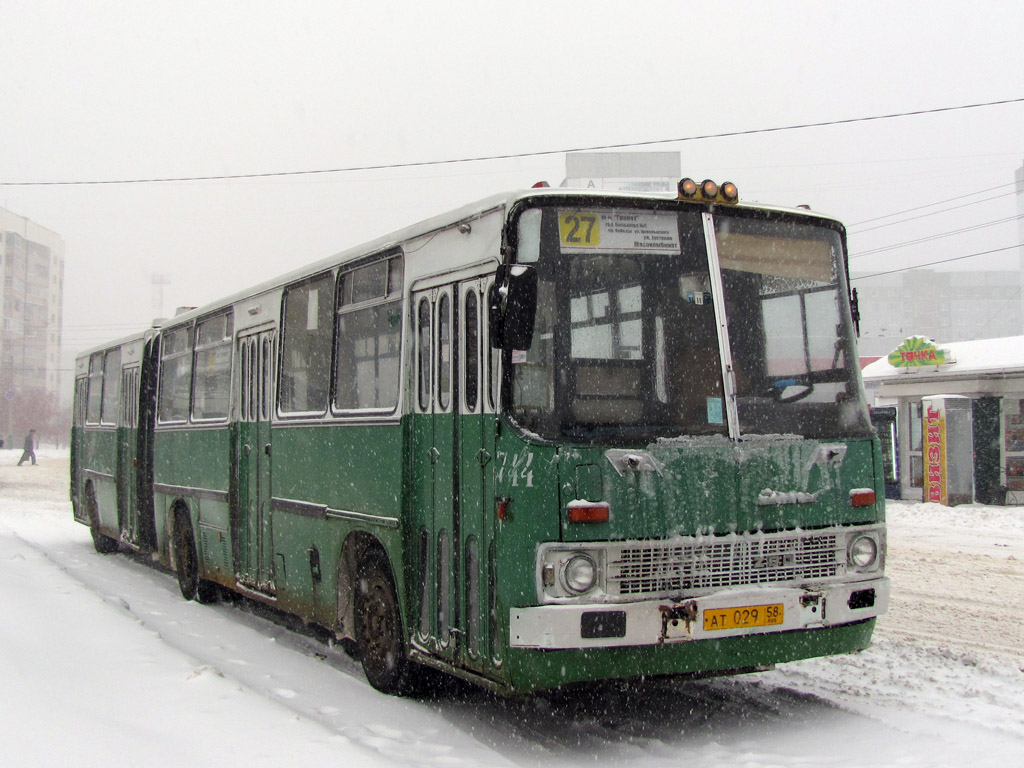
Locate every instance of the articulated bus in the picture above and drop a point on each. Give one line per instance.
(553, 437)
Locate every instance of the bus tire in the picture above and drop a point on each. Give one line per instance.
(186, 563)
(100, 541)
(379, 636)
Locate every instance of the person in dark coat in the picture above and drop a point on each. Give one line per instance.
(30, 448)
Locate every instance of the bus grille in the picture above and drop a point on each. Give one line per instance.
(657, 569)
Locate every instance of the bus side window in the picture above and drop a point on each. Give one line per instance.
(267, 378)
(423, 354)
(306, 339)
(369, 337)
(493, 359)
(81, 394)
(472, 354)
(243, 380)
(94, 401)
(212, 384)
(111, 387)
(444, 351)
(175, 375)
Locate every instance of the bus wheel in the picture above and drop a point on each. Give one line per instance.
(101, 542)
(186, 563)
(379, 628)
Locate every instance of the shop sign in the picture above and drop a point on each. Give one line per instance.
(917, 351)
(934, 455)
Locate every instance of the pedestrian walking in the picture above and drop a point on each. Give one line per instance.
(30, 448)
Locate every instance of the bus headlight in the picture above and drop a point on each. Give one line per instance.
(579, 574)
(863, 552)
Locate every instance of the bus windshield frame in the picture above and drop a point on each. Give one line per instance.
(669, 319)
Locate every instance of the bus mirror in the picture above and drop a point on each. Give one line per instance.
(512, 306)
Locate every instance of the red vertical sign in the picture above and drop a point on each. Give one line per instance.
(935, 455)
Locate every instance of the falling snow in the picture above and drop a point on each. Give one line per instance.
(100, 657)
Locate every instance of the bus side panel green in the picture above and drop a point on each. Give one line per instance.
(298, 591)
(477, 512)
(354, 467)
(526, 475)
(531, 669)
(347, 468)
(492, 628)
(106, 502)
(99, 468)
(163, 519)
(419, 519)
(419, 522)
(214, 534)
(192, 460)
(127, 481)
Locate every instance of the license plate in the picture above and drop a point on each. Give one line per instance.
(742, 616)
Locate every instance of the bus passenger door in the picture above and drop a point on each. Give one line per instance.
(434, 471)
(77, 447)
(128, 456)
(252, 530)
(475, 491)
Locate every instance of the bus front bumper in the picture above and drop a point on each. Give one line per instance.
(728, 613)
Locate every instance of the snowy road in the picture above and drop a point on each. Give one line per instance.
(100, 657)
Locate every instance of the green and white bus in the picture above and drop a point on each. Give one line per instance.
(554, 436)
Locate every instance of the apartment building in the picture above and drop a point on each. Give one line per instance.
(31, 305)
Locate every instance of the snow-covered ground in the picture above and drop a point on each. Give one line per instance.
(101, 660)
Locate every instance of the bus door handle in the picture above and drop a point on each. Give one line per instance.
(247, 449)
(434, 455)
(266, 449)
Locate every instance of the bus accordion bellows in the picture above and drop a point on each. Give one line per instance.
(553, 437)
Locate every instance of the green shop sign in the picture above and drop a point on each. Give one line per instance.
(917, 351)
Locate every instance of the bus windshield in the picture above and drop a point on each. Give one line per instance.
(626, 339)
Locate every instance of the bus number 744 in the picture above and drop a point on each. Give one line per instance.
(519, 471)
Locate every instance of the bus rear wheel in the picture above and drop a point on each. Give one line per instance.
(379, 637)
(100, 541)
(186, 563)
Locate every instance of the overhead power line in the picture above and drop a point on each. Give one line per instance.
(930, 205)
(516, 155)
(933, 263)
(930, 213)
(938, 236)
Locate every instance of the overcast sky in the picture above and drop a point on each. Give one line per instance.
(136, 90)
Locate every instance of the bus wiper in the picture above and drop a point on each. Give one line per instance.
(806, 381)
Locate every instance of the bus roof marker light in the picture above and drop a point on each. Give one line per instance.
(709, 189)
(687, 189)
(729, 192)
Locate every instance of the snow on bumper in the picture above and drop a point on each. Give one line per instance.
(724, 614)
